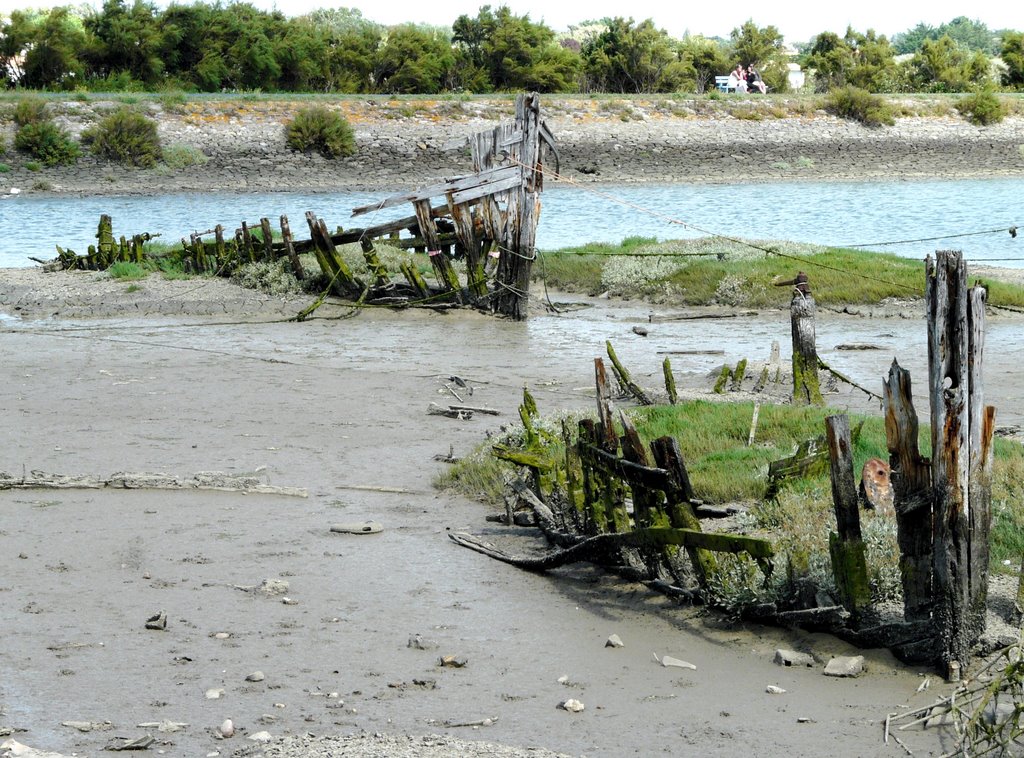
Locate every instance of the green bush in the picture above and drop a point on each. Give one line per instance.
(47, 142)
(859, 105)
(4, 168)
(182, 156)
(981, 108)
(30, 110)
(318, 129)
(127, 137)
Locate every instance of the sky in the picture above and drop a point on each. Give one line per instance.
(798, 21)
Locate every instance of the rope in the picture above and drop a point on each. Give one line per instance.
(1012, 231)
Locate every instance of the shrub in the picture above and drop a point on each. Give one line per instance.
(272, 278)
(981, 108)
(30, 110)
(325, 131)
(181, 156)
(33, 166)
(47, 142)
(127, 270)
(859, 105)
(127, 137)
(4, 168)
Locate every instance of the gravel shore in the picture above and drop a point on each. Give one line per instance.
(412, 142)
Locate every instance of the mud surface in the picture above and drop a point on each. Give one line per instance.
(339, 408)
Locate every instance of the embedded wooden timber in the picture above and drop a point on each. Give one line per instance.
(806, 390)
(961, 467)
(911, 482)
(469, 182)
(847, 548)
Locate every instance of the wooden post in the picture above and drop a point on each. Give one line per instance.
(806, 390)
(608, 440)
(912, 500)
(289, 248)
(105, 236)
(670, 381)
(443, 270)
(592, 494)
(247, 246)
(519, 243)
(849, 554)
(465, 230)
(668, 456)
(219, 245)
(268, 240)
(624, 378)
(379, 270)
(332, 264)
(961, 456)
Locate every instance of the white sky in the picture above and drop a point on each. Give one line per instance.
(798, 21)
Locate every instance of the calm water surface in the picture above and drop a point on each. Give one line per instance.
(833, 213)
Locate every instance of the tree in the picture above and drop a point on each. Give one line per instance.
(125, 40)
(943, 66)
(16, 34)
(514, 52)
(52, 59)
(832, 59)
(414, 59)
(628, 57)
(703, 59)
(1012, 54)
(763, 49)
(968, 34)
(864, 60)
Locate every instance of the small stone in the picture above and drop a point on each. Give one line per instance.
(255, 676)
(793, 658)
(845, 665)
(214, 694)
(563, 679)
(771, 689)
(227, 729)
(274, 586)
(23, 556)
(263, 737)
(416, 642)
(279, 705)
(157, 622)
(804, 720)
(669, 662)
(222, 635)
(572, 705)
(289, 601)
(452, 661)
(614, 641)
(640, 330)
(147, 575)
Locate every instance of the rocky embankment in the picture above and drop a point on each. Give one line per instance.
(402, 143)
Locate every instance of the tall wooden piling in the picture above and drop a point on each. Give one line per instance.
(806, 390)
(961, 467)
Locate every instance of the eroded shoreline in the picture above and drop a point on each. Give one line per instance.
(406, 144)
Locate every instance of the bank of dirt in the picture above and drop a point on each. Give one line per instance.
(411, 142)
(217, 382)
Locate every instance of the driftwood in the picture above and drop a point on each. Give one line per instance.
(203, 480)
(449, 412)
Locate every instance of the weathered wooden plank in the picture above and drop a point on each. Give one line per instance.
(293, 258)
(456, 185)
(401, 224)
(624, 378)
(847, 548)
(911, 482)
(447, 279)
(633, 474)
(490, 188)
(670, 381)
(465, 230)
(806, 390)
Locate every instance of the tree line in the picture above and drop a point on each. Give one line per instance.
(211, 48)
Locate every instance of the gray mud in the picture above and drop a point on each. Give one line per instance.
(339, 407)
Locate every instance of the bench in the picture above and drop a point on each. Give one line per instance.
(722, 84)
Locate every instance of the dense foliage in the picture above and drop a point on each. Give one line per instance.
(208, 46)
(127, 137)
(317, 129)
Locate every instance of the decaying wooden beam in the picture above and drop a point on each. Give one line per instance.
(806, 390)
(203, 480)
(625, 379)
(846, 545)
(911, 482)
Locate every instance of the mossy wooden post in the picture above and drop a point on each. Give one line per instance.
(668, 456)
(219, 244)
(912, 497)
(447, 279)
(289, 249)
(465, 231)
(412, 275)
(572, 467)
(378, 269)
(199, 253)
(268, 241)
(593, 498)
(806, 390)
(670, 381)
(332, 264)
(625, 379)
(105, 238)
(847, 548)
(648, 510)
(961, 470)
(608, 441)
(247, 244)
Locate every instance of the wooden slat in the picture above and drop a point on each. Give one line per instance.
(490, 188)
(449, 185)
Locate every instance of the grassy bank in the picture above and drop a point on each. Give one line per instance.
(798, 519)
(715, 271)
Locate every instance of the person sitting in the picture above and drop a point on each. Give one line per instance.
(754, 81)
(737, 79)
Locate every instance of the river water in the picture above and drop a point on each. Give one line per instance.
(831, 213)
